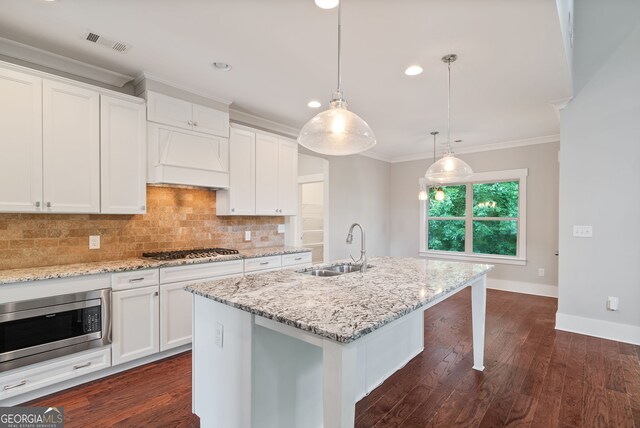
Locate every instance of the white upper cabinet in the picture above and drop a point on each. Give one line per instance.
(287, 177)
(210, 121)
(267, 175)
(20, 142)
(263, 175)
(240, 198)
(71, 148)
(178, 156)
(123, 156)
(167, 110)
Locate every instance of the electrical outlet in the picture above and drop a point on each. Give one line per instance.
(219, 338)
(613, 303)
(583, 231)
(540, 271)
(94, 242)
(247, 235)
(281, 228)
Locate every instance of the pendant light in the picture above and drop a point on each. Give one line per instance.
(449, 169)
(337, 131)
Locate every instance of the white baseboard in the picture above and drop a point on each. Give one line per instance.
(523, 287)
(598, 328)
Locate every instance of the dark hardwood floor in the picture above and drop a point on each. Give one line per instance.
(535, 376)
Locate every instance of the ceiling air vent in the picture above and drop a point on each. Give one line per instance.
(106, 42)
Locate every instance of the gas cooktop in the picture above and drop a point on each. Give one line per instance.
(189, 254)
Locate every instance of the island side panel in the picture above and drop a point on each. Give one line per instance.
(479, 310)
(339, 377)
(222, 366)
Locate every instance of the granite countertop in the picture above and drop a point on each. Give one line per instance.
(345, 307)
(10, 276)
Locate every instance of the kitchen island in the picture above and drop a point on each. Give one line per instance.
(289, 349)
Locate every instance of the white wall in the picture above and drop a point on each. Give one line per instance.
(600, 186)
(542, 212)
(358, 192)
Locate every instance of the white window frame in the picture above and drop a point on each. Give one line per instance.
(520, 258)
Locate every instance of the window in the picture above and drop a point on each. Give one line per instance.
(483, 219)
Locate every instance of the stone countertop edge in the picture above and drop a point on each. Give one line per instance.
(337, 337)
(12, 276)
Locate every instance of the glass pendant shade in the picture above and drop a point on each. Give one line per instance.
(337, 132)
(449, 169)
(439, 196)
(423, 195)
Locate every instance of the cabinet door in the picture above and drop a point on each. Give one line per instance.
(20, 142)
(288, 177)
(71, 148)
(175, 315)
(242, 172)
(123, 156)
(135, 324)
(169, 111)
(210, 121)
(266, 175)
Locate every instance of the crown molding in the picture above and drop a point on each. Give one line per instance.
(61, 63)
(146, 75)
(484, 148)
(253, 121)
(376, 156)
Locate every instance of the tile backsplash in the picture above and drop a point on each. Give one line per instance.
(176, 218)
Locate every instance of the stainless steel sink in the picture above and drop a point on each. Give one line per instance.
(333, 270)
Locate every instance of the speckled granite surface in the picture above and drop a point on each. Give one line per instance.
(346, 307)
(63, 271)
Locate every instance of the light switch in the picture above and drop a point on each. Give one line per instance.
(583, 231)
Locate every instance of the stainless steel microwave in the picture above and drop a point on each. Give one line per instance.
(37, 330)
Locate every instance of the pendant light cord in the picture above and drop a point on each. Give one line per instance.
(339, 93)
(449, 108)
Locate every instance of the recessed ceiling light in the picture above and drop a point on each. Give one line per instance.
(221, 66)
(327, 4)
(413, 70)
(314, 104)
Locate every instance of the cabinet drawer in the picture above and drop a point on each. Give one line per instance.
(262, 263)
(23, 380)
(200, 271)
(135, 279)
(296, 259)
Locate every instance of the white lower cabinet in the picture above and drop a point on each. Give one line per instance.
(54, 371)
(135, 323)
(175, 315)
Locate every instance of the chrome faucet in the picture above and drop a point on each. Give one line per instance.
(363, 251)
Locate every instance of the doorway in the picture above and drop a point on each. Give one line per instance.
(312, 222)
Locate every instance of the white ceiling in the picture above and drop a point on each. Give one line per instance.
(283, 52)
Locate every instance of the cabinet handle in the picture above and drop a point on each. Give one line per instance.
(15, 385)
(233, 210)
(298, 258)
(195, 123)
(81, 366)
(264, 263)
(143, 208)
(48, 204)
(136, 279)
(155, 294)
(190, 122)
(38, 204)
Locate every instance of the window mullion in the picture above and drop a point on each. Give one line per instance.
(468, 224)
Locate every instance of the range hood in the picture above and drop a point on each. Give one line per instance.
(182, 157)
